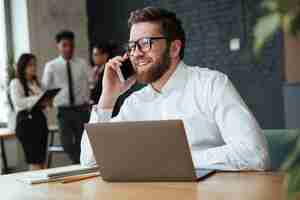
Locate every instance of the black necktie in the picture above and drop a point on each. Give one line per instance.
(70, 83)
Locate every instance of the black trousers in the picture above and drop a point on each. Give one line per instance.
(32, 132)
(71, 124)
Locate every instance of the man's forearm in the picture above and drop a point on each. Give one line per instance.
(107, 101)
(232, 157)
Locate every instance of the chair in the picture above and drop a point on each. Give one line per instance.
(280, 143)
(53, 148)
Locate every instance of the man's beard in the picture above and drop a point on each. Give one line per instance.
(156, 70)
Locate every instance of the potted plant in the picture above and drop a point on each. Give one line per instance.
(281, 15)
(11, 74)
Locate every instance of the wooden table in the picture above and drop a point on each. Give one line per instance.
(239, 186)
(5, 133)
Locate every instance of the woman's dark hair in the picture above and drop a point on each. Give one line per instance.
(110, 48)
(22, 64)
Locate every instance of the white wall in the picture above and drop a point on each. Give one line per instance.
(47, 17)
(35, 24)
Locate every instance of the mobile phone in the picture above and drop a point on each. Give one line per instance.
(127, 70)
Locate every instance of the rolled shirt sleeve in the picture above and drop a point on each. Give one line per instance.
(87, 156)
(100, 115)
(19, 100)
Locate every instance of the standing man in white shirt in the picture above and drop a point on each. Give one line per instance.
(222, 132)
(71, 75)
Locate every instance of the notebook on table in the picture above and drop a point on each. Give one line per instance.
(59, 174)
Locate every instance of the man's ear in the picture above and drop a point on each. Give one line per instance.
(175, 48)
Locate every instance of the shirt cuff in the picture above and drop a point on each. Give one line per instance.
(31, 101)
(100, 115)
(206, 159)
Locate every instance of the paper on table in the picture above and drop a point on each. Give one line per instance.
(36, 179)
(52, 175)
(72, 171)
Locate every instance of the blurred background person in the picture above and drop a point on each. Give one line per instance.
(101, 53)
(71, 74)
(31, 123)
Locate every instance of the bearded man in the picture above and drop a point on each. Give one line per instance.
(221, 131)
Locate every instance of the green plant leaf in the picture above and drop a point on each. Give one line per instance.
(294, 27)
(280, 6)
(270, 5)
(264, 30)
(286, 6)
(10, 69)
(292, 158)
(292, 183)
(292, 179)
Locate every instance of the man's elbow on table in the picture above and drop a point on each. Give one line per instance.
(260, 160)
(86, 155)
(263, 162)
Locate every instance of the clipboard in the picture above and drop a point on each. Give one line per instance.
(50, 93)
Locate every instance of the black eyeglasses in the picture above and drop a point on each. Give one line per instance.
(143, 44)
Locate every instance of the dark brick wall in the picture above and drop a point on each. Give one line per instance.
(107, 19)
(209, 25)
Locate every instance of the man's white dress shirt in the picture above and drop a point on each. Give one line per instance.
(221, 131)
(55, 76)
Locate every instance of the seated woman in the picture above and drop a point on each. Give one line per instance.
(31, 123)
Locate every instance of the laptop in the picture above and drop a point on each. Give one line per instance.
(143, 151)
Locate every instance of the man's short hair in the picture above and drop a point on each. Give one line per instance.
(171, 26)
(64, 35)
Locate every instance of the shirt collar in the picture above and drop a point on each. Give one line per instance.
(176, 81)
(61, 58)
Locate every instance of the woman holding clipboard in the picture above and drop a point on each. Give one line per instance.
(31, 123)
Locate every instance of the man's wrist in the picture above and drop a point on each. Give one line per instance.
(107, 102)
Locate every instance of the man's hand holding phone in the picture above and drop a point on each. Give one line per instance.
(115, 82)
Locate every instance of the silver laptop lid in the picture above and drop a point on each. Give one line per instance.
(142, 151)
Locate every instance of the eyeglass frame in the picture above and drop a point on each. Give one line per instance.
(130, 51)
